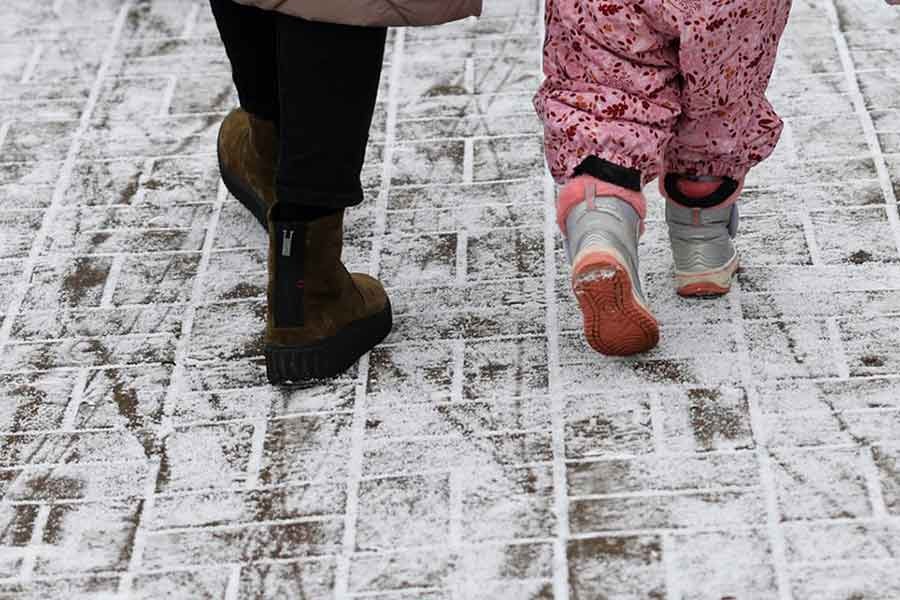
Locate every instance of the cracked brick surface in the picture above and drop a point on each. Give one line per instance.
(482, 452)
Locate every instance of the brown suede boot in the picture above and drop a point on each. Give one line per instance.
(248, 157)
(321, 318)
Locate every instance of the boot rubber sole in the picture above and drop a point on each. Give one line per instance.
(710, 284)
(244, 193)
(329, 357)
(616, 323)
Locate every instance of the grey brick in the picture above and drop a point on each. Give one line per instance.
(306, 448)
(18, 526)
(77, 482)
(92, 537)
(821, 485)
(853, 394)
(228, 331)
(505, 368)
(63, 588)
(703, 419)
(662, 473)
(876, 581)
(834, 234)
(216, 508)
(243, 544)
(507, 503)
(88, 352)
(506, 254)
(403, 512)
(146, 279)
(782, 350)
(298, 579)
(203, 584)
(128, 397)
(26, 142)
(599, 424)
(58, 448)
(814, 542)
(773, 239)
(507, 158)
(700, 510)
(723, 565)
(17, 232)
(628, 567)
(428, 162)
(516, 448)
(131, 98)
(828, 136)
(76, 282)
(90, 322)
(887, 460)
(456, 418)
(203, 457)
(404, 373)
(34, 401)
(423, 259)
(473, 196)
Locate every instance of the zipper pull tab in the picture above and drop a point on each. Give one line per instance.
(286, 241)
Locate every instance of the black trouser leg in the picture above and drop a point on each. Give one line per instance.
(249, 37)
(328, 84)
(319, 81)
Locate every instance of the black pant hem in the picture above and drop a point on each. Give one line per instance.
(630, 179)
(301, 197)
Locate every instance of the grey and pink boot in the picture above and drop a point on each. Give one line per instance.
(702, 216)
(602, 224)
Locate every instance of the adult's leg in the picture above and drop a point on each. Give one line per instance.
(248, 139)
(328, 85)
(321, 319)
(248, 34)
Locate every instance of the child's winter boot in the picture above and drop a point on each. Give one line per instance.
(702, 216)
(602, 224)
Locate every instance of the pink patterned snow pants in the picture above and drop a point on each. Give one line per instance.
(672, 86)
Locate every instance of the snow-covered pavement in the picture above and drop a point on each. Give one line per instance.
(483, 452)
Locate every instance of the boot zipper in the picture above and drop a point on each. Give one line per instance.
(286, 241)
(288, 285)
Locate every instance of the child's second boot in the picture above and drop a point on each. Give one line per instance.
(602, 224)
(702, 216)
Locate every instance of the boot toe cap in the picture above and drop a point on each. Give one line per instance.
(372, 291)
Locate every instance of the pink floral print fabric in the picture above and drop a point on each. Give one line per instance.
(674, 86)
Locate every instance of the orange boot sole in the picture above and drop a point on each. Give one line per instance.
(616, 323)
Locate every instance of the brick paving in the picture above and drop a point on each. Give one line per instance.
(483, 452)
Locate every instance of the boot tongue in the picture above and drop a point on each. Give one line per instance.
(698, 187)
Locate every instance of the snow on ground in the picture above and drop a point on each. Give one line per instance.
(483, 452)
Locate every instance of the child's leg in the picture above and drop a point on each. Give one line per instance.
(611, 96)
(728, 126)
(609, 102)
